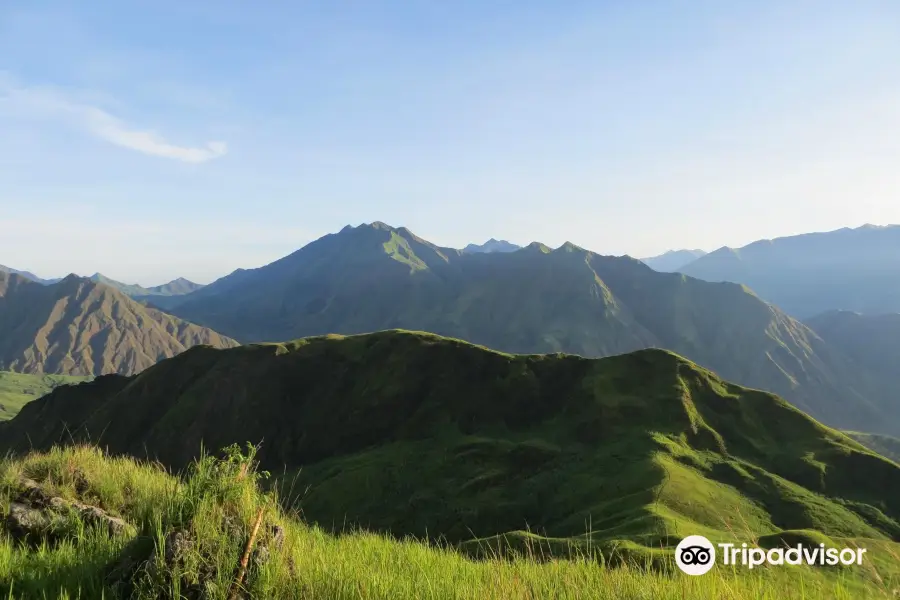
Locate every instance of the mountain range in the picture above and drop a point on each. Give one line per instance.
(175, 287)
(672, 260)
(411, 433)
(805, 275)
(837, 366)
(80, 327)
(537, 300)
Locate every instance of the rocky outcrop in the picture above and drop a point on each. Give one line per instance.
(36, 516)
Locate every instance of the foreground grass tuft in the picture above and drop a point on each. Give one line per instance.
(212, 533)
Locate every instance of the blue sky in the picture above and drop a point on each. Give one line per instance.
(154, 139)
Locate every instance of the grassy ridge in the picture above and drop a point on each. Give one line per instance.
(17, 389)
(413, 434)
(209, 512)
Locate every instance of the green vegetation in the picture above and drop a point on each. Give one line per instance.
(82, 328)
(411, 434)
(185, 537)
(17, 389)
(537, 300)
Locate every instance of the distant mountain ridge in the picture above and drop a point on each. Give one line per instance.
(536, 300)
(27, 274)
(81, 327)
(870, 340)
(672, 260)
(176, 287)
(492, 245)
(805, 275)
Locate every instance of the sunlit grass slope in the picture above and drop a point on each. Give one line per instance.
(412, 434)
(187, 535)
(17, 389)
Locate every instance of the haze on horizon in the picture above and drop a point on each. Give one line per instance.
(190, 139)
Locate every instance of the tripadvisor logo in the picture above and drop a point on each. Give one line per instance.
(696, 555)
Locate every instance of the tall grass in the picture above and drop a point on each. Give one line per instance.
(214, 505)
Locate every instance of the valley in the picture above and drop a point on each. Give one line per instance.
(17, 389)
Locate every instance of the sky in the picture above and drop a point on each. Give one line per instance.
(149, 140)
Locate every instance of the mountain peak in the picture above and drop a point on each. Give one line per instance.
(73, 277)
(569, 247)
(539, 247)
(492, 245)
(94, 328)
(381, 225)
(672, 260)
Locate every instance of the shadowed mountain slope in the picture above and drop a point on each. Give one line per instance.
(79, 327)
(412, 433)
(376, 277)
(847, 269)
(870, 340)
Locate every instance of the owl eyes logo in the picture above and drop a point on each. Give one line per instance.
(695, 555)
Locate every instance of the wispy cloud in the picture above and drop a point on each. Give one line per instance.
(51, 103)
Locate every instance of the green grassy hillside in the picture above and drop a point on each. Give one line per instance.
(538, 300)
(413, 434)
(185, 537)
(17, 389)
